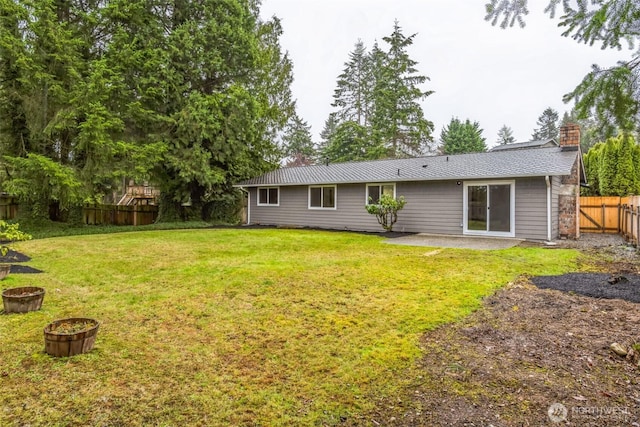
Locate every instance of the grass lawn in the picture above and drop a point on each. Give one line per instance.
(237, 327)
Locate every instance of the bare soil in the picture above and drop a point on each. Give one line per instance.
(534, 357)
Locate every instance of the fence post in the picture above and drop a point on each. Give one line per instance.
(628, 221)
(637, 235)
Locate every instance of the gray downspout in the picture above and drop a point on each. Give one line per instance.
(549, 227)
(248, 204)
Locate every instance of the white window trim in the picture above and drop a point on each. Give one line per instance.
(267, 204)
(335, 192)
(465, 209)
(376, 184)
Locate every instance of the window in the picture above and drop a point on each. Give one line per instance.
(322, 197)
(374, 191)
(269, 196)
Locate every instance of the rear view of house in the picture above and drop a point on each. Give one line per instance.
(528, 191)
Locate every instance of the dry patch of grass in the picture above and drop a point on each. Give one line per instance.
(237, 327)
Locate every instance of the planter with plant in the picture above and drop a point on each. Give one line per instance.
(9, 233)
(71, 336)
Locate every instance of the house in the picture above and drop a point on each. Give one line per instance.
(528, 144)
(528, 192)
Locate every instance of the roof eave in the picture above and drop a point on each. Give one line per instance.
(411, 179)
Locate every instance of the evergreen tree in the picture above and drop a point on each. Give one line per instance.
(351, 142)
(505, 135)
(611, 95)
(353, 94)
(613, 167)
(189, 94)
(398, 119)
(462, 137)
(297, 142)
(625, 182)
(547, 126)
(379, 92)
(591, 161)
(327, 133)
(607, 168)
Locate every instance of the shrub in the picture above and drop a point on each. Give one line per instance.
(386, 210)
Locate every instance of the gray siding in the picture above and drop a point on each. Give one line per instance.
(432, 207)
(422, 213)
(531, 208)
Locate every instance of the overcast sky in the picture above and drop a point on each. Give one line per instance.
(478, 72)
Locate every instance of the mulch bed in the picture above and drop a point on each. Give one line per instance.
(596, 285)
(24, 269)
(13, 257)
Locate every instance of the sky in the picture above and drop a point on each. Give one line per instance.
(478, 72)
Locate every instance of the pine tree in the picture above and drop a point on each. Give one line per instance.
(611, 95)
(462, 137)
(327, 133)
(398, 119)
(297, 142)
(505, 136)
(353, 94)
(547, 126)
(350, 142)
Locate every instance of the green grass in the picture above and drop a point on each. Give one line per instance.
(237, 327)
(45, 229)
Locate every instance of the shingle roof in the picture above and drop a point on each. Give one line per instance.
(528, 144)
(551, 161)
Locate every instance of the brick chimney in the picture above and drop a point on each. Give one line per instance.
(569, 191)
(570, 136)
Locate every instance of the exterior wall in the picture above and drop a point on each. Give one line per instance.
(433, 207)
(531, 208)
(422, 213)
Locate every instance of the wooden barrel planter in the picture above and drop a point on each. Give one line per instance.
(22, 300)
(4, 270)
(68, 337)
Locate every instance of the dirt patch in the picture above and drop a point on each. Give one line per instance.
(532, 357)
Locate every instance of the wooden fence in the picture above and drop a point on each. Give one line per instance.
(8, 207)
(611, 215)
(630, 220)
(119, 215)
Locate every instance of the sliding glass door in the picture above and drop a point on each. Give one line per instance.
(489, 208)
